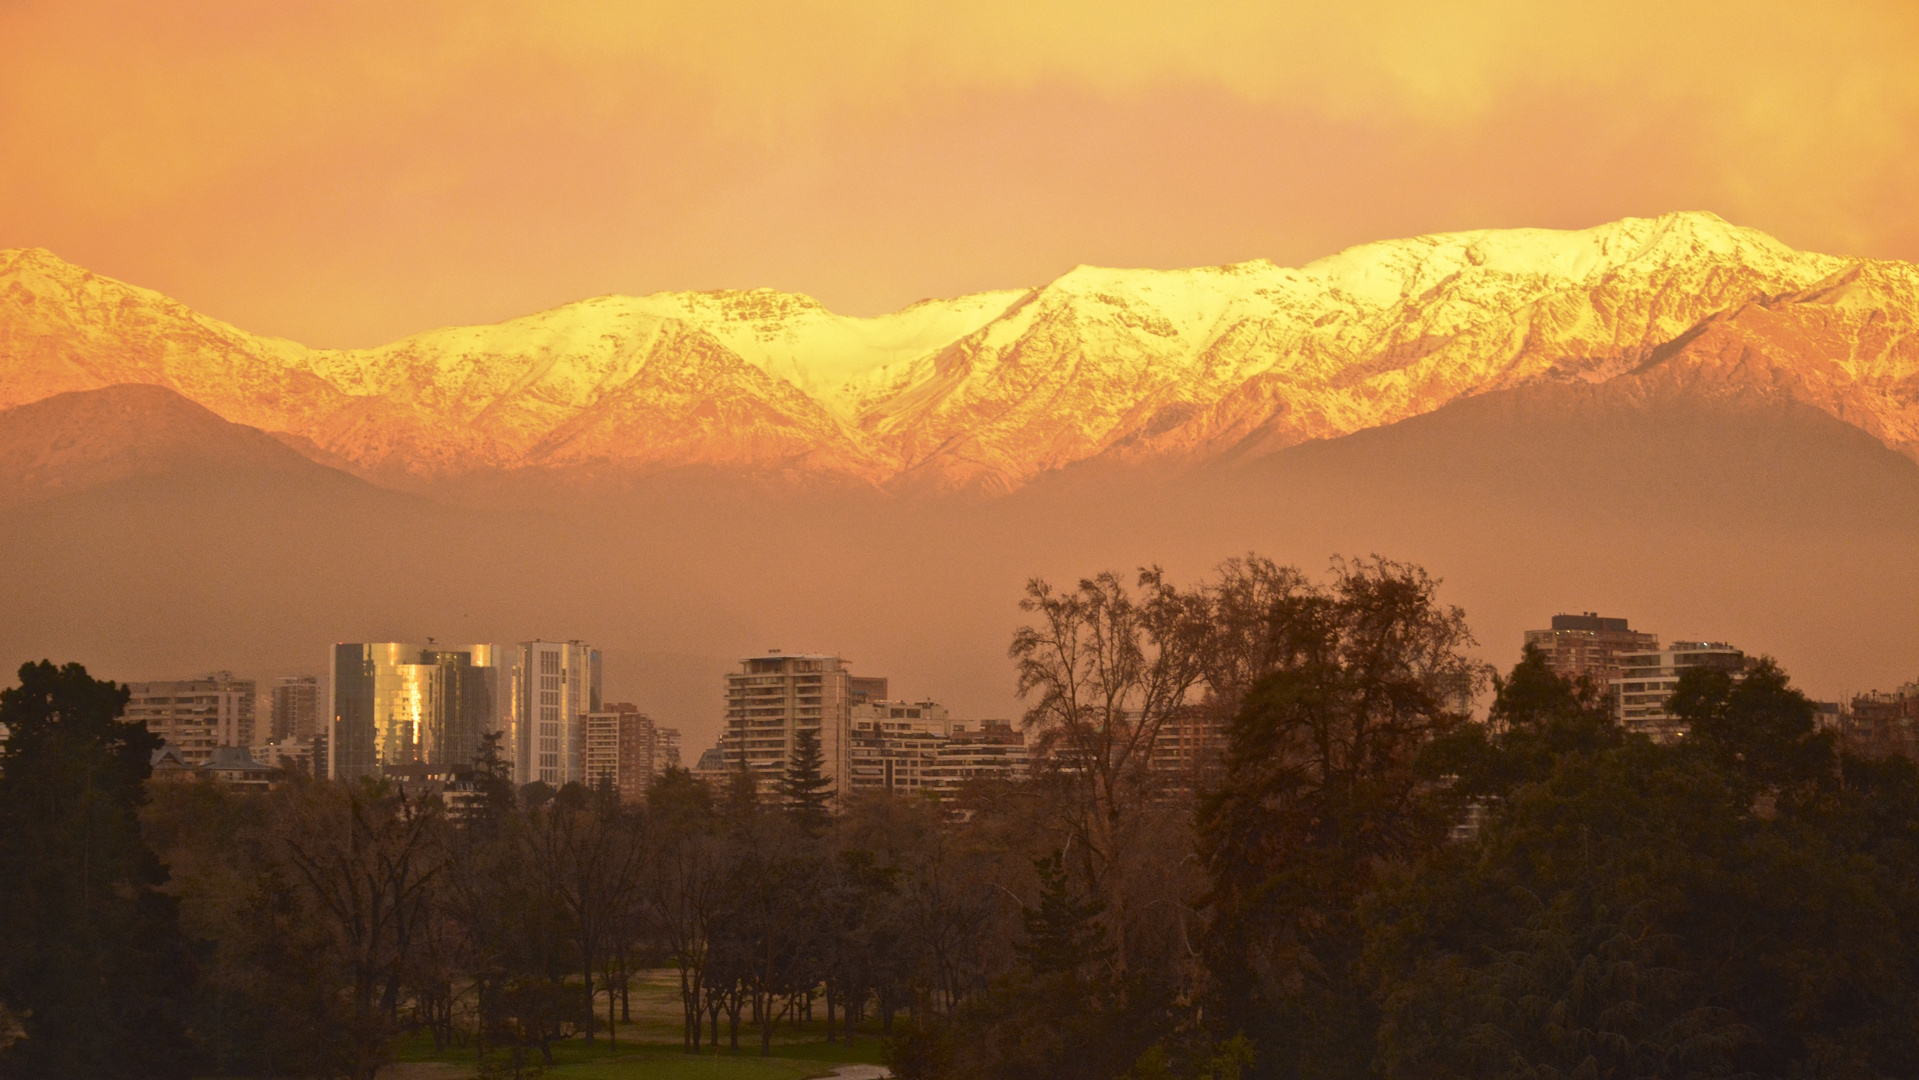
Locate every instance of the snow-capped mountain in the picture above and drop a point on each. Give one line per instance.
(988, 392)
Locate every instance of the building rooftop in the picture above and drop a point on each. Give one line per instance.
(1590, 620)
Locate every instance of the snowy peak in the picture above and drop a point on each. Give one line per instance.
(988, 391)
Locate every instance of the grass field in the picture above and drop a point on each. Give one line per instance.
(649, 1048)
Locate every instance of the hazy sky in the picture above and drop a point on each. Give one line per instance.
(345, 173)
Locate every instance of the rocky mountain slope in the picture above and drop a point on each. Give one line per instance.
(991, 391)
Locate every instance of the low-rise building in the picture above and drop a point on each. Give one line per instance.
(288, 755)
(234, 767)
(711, 766)
(1883, 724)
(230, 766)
(986, 749)
(894, 745)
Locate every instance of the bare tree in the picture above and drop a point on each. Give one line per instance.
(686, 878)
(1245, 636)
(368, 861)
(591, 853)
(1106, 668)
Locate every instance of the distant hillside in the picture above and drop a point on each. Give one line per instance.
(87, 438)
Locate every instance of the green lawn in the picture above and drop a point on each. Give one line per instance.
(649, 1047)
(674, 1065)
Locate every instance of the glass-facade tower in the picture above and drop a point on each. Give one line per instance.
(402, 703)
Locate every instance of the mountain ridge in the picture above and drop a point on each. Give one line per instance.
(986, 392)
(84, 439)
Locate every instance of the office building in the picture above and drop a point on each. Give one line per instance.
(1589, 646)
(1646, 680)
(555, 684)
(625, 749)
(398, 704)
(195, 716)
(295, 709)
(775, 696)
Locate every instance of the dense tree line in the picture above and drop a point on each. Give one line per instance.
(1366, 881)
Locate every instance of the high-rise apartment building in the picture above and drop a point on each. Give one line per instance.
(295, 709)
(555, 684)
(1646, 680)
(774, 697)
(398, 704)
(1589, 646)
(626, 749)
(196, 715)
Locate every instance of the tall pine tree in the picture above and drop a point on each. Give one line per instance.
(91, 956)
(804, 791)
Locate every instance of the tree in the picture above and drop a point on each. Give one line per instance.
(1320, 792)
(1061, 1014)
(806, 794)
(265, 996)
(686, 875)
(1759, 728)
(93, 969)
(1635, 909)
(366, 860)
(1537, 716)
(591, 853)
(1107, 668)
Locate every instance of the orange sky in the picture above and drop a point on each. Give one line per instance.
(345, 173)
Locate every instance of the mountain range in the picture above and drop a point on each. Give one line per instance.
(1674, 419)
(986, 393)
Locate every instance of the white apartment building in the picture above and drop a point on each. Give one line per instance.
(895, 745)
(775, 696)
(977, 749)
(195, 715)
(1646, 680)
(555, 685)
